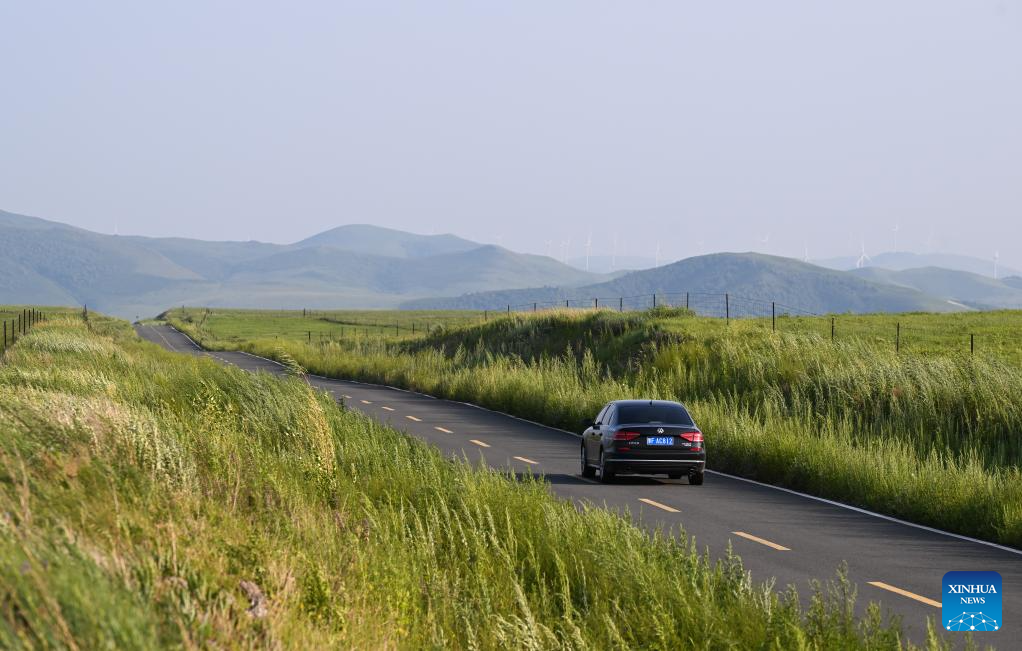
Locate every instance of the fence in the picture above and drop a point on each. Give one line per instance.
(725, 306)
(993, 333)
(19, 326)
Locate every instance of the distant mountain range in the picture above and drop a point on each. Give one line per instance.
(362, 266)
(763, 278)
(902, 260)
(46, 262)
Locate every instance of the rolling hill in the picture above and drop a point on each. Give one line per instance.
(46, 262)
(974, 290)
(753, 275)
(904, 260)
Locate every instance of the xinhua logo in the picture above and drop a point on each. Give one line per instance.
(972, 601)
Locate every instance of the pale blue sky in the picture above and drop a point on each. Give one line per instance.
(704, 125)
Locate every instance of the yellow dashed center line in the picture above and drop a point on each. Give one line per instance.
(669, 509)
(762, 541)
(366, 402)
(528, 461)
(480, 443)
(445, 431)
(905, 593)
(387, 408)
(417, 420)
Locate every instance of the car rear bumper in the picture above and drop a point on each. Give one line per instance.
(638, 465)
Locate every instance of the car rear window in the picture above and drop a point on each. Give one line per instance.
(655, 413)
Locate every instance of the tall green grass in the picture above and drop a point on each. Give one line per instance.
(149, 499)
(933, 438)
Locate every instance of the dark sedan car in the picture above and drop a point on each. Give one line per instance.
(647, 437)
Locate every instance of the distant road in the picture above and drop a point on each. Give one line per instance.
(777, 533)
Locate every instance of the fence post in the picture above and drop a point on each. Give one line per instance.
(509, 310)
(535, 306)
(5, 334)
(897, 339)
(727, 308)
(654, 299)
(773, 315)
(832, 329)
(621, 304)
(486, 315)
(972, 344)
(310, 336)
(596, 303)
(686, 300)
(567, 302)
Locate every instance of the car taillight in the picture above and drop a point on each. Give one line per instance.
(626, 436)
(695, 438)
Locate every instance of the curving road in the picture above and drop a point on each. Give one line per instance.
(778, 533)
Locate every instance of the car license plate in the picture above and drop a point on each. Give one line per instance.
(659, 440)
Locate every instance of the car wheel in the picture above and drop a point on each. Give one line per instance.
(587, 470)
(674, 475)
(606, 474)
(696, 478)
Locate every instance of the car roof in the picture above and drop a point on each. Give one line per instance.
(647, 402)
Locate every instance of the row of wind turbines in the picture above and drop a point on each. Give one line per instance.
(864, 260)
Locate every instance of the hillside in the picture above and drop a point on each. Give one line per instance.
(960, 286)
(753, 275)
(374, 240)
(351, 266)
(902, 260)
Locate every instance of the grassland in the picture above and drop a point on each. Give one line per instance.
(317, 326)
(932, 433)
(149, 500)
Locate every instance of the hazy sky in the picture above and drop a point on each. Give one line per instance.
(730, 125)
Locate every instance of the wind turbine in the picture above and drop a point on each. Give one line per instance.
(589, 248)
(897, 227)
(805, 258)
(863, 259)
(548, 244)
(997, 256)
(766, 243)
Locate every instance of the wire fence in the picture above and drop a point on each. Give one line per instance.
(998, 333)
(723, 306)
(19, 325)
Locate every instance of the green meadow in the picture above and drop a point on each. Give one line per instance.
(930, 432)
(156, 500)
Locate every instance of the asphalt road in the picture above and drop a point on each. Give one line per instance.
(792, 537)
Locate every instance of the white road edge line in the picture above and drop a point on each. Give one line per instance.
(528, 461)
(441, 429)
(387, 408)
(824, 500)
(417, 420)
(870, 513)
(479, 443)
